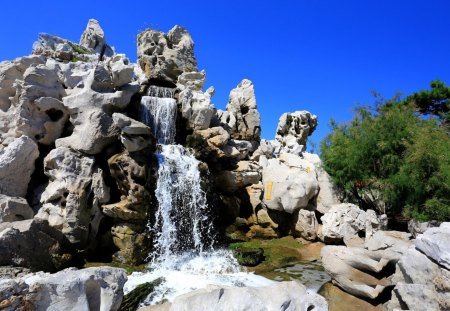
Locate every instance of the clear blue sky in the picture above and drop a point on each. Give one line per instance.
(322, 56)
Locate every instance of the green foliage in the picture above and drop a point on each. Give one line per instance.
(391, 150)
(78, 48)
(132, 300)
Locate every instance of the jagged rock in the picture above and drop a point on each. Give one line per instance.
(121, 70)
(241, 117)
(11, 294)
(17, 165)
(33, 244)
(327, 196)
(414, 297)
(166, 56)
(289, 295)
(416, 227)
(245, 174)
(133, 243)
(53, 46)
(93, 38)
(342, 220)
(290, 182)
(196, 106)
(374, 223)
(65, 199)
(434, 243)
(135, 135)
(306, 225)
(393, 243)
(14, 209)
(265, 149)
(293, 131)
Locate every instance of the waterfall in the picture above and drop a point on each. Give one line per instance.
(159, 111)
(182, 222)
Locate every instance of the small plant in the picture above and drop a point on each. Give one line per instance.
(78, 48)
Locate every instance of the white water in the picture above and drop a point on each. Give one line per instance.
(182, 230)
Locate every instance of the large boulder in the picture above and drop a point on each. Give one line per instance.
(66, 199)
(290, 182)
(135, 135)
(164, 56)
(241, 117)
(279, 296)
(93, 38)
(435, 244)
(17, 165)
(34, 244)
(14, 209)
(307, 225)
(246, 173)
(342, 221)
(293, 131)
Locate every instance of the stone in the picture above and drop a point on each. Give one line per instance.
(306, 225)
(342, 220)
(416, 227)
(135, 136)
(164, 57)
(265, 149)
(193, 80)
(290, 182)
(393, 243)
(35, 245)
(242, 118)
(93, 38)
(17, 165)
(293, 131)
(14, 209)
(434, 243)
(374, 223)
(289, 295)
(248, 256)
(132, 241)
(96, 288)
(245, 174)
(66, 197)
(414, 297)
(121, 70)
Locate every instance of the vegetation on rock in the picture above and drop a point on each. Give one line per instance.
(132, 300)
(395, 155)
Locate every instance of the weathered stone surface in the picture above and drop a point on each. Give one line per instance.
(414, 297)
(196, 106)
(17, 165)
(306, 225)
(99, 288)
(241, 117)
(166, 56)
(289, 295)
(33, 244)
(393, 243)
(245, 174)
(135, 135)
(93, 38)
(65, 199)
(293, 131)
(14, 209)
(133, 242)
(342, 220)
(375, 223)
(290, 182)
(416, 227)
(265, 149)
(435, 244)
(121, 70)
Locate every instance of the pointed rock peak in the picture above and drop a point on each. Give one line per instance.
(93, 37)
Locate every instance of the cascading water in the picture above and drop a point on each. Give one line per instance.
(182, 231)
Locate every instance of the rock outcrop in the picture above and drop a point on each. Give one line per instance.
(14, 209)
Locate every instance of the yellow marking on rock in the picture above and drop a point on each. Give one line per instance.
(268, 192)
(308, 169)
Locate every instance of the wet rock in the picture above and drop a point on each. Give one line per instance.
(14, 209)
(17, 165)
(248, 256)
(132, 241)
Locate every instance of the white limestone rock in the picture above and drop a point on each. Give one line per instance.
(288, 296)
(135, 136)
(293, 131)
(247, 173)
(93, 38)
(434, 243)
(14, 209)
(307, 225)
(341, 221)
(122, 71)
(17, 165)
(290, 182)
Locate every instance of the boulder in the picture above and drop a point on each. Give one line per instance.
(293, 131)
(241, 117)
(416, 227)
(121, 70)
(306, 225)
(163, 56)
(17, 165)
(341, 221)
(374, 223)
(97, 288)
(285, 295)
(393, 243)
(135, 135)
(264, 149)
(66, 197)
(434, 243)
(290, 182)
(34, 244)
(14, 209)
(133, 242)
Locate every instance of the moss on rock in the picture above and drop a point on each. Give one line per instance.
(132, 300)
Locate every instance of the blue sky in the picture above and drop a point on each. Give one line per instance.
(322, 56)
